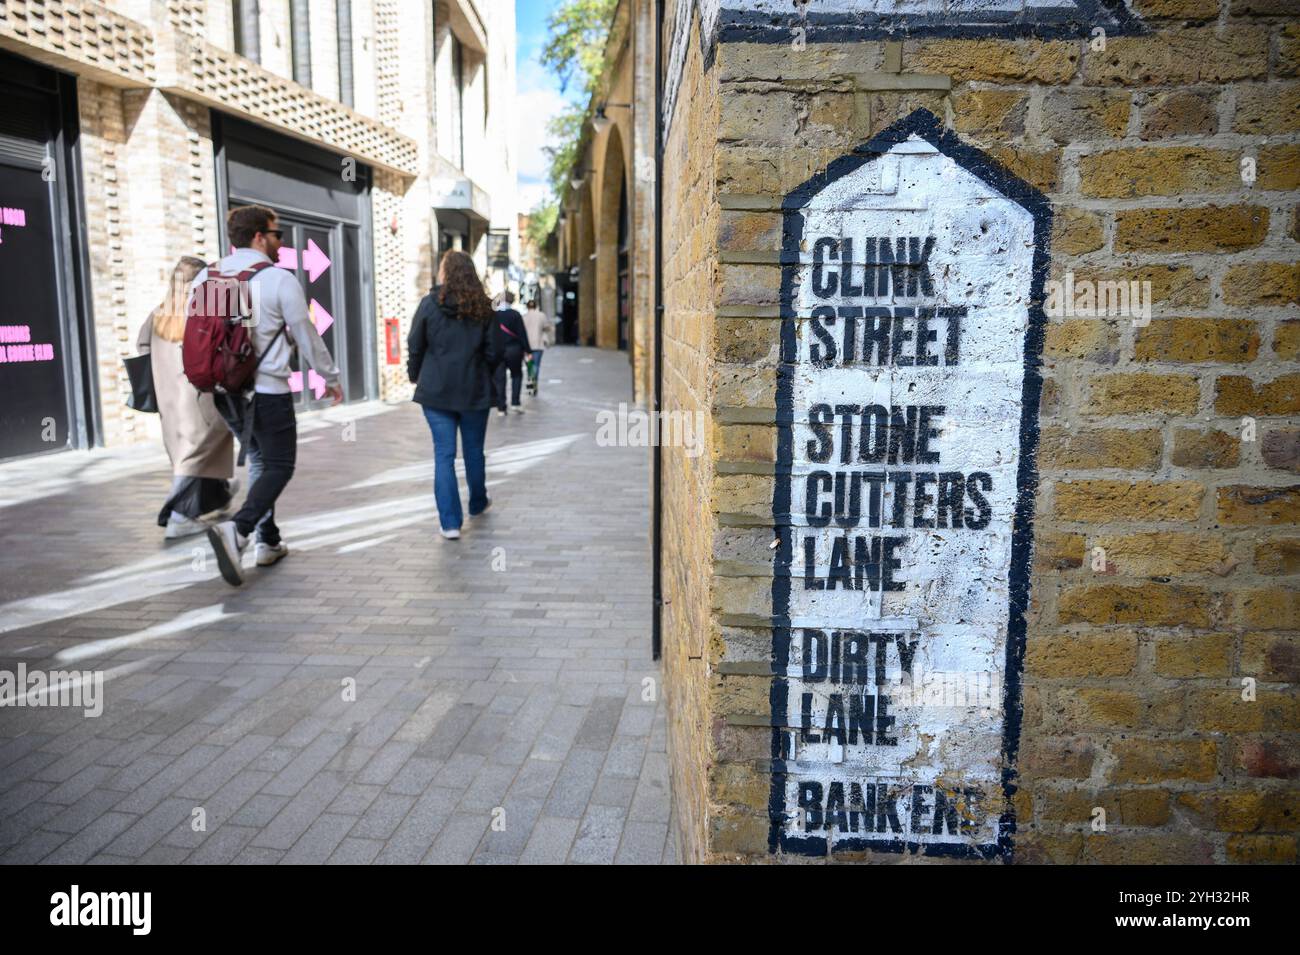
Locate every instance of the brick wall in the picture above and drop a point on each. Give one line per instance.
(1165, 564)
(690, 226)
(149, 186)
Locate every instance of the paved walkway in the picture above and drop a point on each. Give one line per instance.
(382, 695)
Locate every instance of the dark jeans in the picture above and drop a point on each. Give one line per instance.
(446, 493)
(537, 369)
(272, 454)
(514, 360)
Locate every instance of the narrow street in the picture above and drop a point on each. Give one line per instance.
(382, 695)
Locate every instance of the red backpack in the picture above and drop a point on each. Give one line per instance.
(217, 351)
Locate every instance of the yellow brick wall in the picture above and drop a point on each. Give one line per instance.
(689, 262)
(1133, 674)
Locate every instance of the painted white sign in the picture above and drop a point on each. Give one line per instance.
(906, 326)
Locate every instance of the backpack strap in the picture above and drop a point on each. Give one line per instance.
(252, 270)
(245, 276)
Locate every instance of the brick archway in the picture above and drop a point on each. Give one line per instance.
(612, 229)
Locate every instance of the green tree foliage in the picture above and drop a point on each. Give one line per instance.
(575, 50)
(576, 47)
(541, 221)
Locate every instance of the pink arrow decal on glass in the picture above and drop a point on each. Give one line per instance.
(315, 261)
(316, 382)
(288, 258)
(319, 317)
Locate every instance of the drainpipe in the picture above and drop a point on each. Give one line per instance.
(657, 537)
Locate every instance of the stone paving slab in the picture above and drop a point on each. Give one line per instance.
(382, 695)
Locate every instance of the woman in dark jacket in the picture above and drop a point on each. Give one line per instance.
(449, 354)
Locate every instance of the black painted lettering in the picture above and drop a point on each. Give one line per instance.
(921, 500)
(822, 352)
(827, 286)
(819, 515)
(819, 416)
(901, 336)
(810, 804)
(952, 494)
(978, 483)
(875, 335)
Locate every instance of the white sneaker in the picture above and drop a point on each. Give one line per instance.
(501, 414)
(183, 527)
(452, 535)
(519, 409)
(228, 545)
(268, 554)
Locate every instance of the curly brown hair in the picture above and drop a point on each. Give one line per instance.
(462, 287)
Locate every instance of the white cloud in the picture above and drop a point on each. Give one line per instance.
(539, 99)
(530, 194)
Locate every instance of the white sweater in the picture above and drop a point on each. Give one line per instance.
(278, 300)
(538, 327)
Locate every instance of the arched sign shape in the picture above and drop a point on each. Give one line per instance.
(907, 401)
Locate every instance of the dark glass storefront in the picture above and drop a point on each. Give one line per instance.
(44, 318)
(323, 201)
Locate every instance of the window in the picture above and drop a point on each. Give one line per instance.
(457, 102)
(244, 17)
(300, 40)
(346, 96)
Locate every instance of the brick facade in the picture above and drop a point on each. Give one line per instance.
(148, 77)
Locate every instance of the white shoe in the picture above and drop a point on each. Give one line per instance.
(183, 527)
(452, 535)
(519, 409)
(228, 545)
(501, 414)
(268, 555)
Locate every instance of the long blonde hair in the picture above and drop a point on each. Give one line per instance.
(169, 316)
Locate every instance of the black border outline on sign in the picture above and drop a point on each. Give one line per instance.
(756, 26)
(927, 126)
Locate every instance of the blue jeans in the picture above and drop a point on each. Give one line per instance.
(473, 429)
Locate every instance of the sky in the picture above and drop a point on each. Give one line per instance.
(539, 99)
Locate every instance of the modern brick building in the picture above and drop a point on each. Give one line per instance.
(382, 131)
(991, 311)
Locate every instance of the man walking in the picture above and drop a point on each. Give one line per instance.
(511, 347)
(537, 326)
(282, 322)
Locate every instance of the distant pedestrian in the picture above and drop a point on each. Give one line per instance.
(450, 352)
(511, 347)
(282, 322)
(538, 328)
(197, 440)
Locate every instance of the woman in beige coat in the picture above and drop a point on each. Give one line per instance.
(198, 441)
